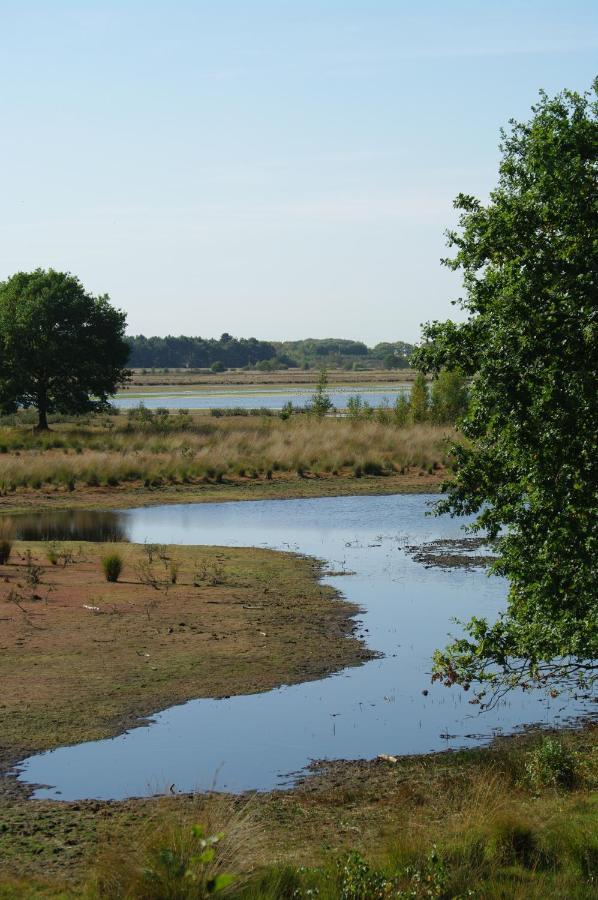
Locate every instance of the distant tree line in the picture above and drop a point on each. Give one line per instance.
(229, 352)
(196, 352)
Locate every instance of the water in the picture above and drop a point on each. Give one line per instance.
(256, 741)
(257, 398)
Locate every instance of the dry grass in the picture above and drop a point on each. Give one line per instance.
(206, 379)
(225, 449)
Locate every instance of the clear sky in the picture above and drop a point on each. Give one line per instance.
(265, 167)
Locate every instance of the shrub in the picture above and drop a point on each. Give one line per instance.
(551, 765)
(173, 858)
(370, 467)
(52, 553)
(112, 566)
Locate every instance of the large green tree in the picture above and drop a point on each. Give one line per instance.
(61, 349)
(530, 344)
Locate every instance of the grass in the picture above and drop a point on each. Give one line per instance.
(240, 378)
(193, 450)
(465, 824)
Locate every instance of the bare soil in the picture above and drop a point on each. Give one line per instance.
(82, 658)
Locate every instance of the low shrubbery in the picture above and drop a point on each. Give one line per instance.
(112, 566)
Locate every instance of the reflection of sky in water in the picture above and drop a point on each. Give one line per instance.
(255, 741)
(258, 398)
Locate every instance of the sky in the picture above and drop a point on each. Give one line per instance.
(266, 168)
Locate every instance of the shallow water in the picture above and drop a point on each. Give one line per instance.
(258, 398)
(255, 741)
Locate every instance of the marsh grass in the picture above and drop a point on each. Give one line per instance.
(215, 451)
(162, 863)
(467, 827)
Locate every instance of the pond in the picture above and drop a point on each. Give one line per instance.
(258, 741)
(257, 398)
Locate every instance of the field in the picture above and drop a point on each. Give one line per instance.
(171, 457)
(148, 380)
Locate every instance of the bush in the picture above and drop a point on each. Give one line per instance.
(112, 566)
(370, 467)
(551, 765)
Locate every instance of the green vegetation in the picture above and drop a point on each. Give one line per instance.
(449, 825)
(445, 405)
(112, 566)
(61, 349)
(320, 403)
(530, 345)
(196, 352)
(230, 352)
(342, 354)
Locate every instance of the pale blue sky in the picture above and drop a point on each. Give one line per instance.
(265, 167)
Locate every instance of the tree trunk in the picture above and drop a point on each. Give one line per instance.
(42, 411)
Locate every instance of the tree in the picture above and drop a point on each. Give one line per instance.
(61, 349)
(449, 397)
(530, 341)
(320, 403)
(419, 401)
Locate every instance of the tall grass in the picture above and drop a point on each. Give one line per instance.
(215, 450)
(164, 862)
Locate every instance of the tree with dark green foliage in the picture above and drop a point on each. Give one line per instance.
(61, 349)
(530, 342)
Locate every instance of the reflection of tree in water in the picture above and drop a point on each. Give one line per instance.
(69, 525)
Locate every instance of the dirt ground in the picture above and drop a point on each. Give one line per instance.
(82, 658)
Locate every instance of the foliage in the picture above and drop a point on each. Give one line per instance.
(287, 410)
(402, 409)
(186, 874)
(320, 403)
(450, 397)
(551, 764)
(530, 345)
(112, 566)
(197, 352)
(61, 349)
(419, 402)
(339, 353)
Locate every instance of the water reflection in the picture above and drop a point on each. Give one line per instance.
(68, 525)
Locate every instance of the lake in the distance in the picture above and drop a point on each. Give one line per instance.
(255, 741)
(259, 398)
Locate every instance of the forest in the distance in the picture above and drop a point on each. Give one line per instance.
(230, 352)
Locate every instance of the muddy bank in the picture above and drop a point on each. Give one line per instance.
(83, 659)
(453, 553)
